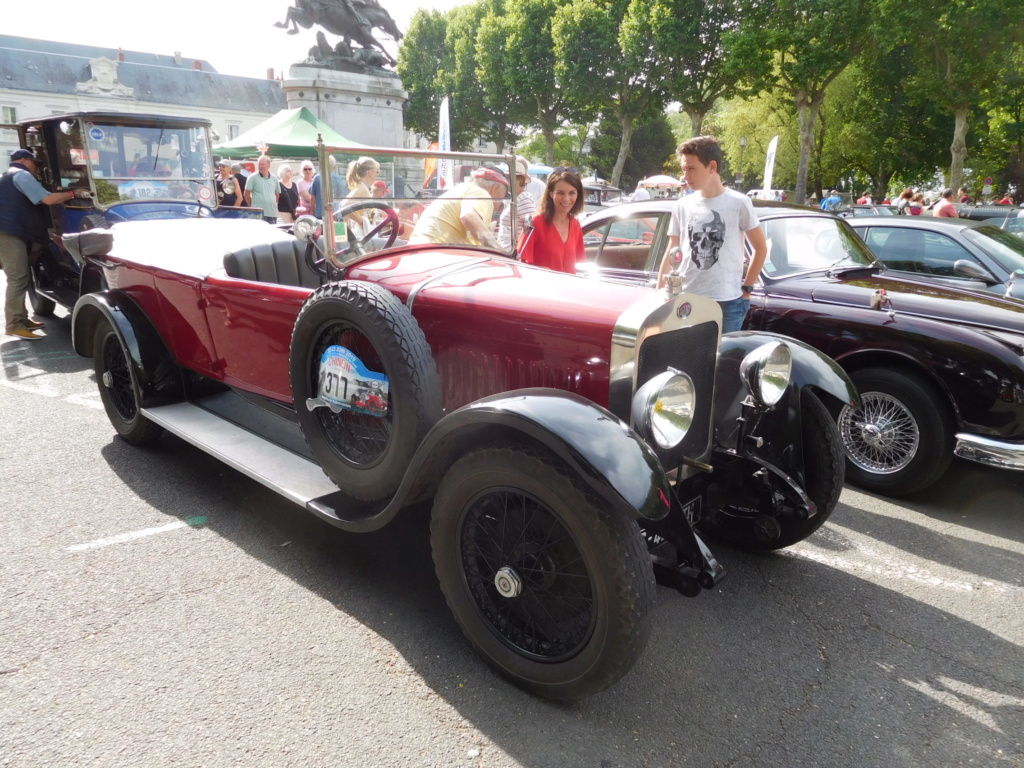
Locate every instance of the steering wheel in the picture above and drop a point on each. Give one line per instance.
(387, 229)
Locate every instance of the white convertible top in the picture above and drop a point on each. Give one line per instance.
(193, 247)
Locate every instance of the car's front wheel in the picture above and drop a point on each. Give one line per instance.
(119, 388)
(900, 439)
(550, 585)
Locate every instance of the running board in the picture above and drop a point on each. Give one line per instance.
(294, 477)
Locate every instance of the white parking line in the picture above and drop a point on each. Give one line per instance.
(123, 537)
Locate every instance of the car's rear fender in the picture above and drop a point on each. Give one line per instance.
(603, 452)
(158, 375)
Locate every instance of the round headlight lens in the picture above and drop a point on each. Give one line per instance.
(766, 372)
(670, 411)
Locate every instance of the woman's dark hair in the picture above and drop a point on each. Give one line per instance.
(572, 177)
(908, 193)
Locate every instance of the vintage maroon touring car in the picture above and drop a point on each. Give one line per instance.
(576, 438)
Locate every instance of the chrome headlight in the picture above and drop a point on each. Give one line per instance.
(663, 408)
(305, 227)
(766, 372)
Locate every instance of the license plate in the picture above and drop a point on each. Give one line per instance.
(692, 510)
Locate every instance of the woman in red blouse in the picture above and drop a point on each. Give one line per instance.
(556, 241)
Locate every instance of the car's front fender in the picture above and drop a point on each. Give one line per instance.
(779, 426)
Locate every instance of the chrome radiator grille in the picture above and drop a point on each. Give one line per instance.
(694, 351)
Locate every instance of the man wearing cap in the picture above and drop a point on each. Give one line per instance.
(304, 184)
(228, 192)
(23, 221)
(525, 208)
(463, 213)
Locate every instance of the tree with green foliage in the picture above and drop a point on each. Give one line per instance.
(653, 145)
(606, 61)
(800, 48)
(525, 69)
(695, 41)
(422, 60)
(960, 47)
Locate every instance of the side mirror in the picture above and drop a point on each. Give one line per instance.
(973, 271)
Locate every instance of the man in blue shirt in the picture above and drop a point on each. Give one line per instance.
(338, 188)
(23, 221)
(832, 202)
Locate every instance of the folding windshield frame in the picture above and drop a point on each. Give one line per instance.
(327, 191)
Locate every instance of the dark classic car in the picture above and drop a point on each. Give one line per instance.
(968, 254)
(940, 369)
(122, 167)
(573, 436)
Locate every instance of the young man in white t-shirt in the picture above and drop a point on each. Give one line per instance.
(709, 225)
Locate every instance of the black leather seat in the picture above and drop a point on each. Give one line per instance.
(283, 263)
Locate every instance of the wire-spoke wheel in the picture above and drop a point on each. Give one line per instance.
(900, 439)
(119, 388)
(552, 586)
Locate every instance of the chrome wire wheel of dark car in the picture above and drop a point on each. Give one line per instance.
(119, 388)
(364, 453)
(551, 586)
(899, 440)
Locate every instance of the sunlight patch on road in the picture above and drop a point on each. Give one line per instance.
(966, 699)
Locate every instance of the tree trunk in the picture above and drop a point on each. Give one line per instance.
(627, 140)
(958, 149)
(696, 119)
(549, 144)
(807, 105)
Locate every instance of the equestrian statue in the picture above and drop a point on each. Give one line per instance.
(353, 20)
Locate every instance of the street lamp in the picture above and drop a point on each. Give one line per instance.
(739, 173)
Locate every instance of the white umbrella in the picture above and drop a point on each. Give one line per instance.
(661, 181)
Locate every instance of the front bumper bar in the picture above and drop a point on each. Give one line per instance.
(994, 453)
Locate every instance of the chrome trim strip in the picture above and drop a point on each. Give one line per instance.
(654, 314)
(985, 450)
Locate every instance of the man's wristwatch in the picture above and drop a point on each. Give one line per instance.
(747, 288)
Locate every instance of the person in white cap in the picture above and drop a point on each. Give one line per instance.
(508, 232)
(641, 192)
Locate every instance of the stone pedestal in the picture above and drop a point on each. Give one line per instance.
(363, 108)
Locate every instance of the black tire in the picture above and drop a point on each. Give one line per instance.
(823, 472)
(365, 455)
(41, 306)
(901, 438)
(119, 388)
(584, 610)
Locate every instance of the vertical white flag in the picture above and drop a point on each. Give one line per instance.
(769, 166)
(444, 143)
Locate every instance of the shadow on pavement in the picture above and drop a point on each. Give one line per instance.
(788, 662)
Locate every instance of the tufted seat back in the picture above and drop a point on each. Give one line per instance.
(283, 263)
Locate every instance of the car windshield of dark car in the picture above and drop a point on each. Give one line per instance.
(1005, 248)
(798, 244)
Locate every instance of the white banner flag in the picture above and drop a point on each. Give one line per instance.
(769, 166)
(444, 143)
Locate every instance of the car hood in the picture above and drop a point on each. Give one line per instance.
(907, 296)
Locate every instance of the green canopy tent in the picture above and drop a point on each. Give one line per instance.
(289, 133)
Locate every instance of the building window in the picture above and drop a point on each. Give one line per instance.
(481, 142)
(10, 115)
(233, 131)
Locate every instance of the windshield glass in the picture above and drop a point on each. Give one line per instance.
(1006, 248)
(382, 201)
(811, 243)
(131, 162)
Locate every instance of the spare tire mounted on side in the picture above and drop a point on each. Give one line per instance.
(364, 441)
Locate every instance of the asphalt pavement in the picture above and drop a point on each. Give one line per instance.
(161, 609)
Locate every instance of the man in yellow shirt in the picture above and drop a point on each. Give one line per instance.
(463, 214)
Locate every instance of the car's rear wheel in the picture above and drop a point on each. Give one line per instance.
(551, 586)
(365, 452)
(900, 439)
(119, 388)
